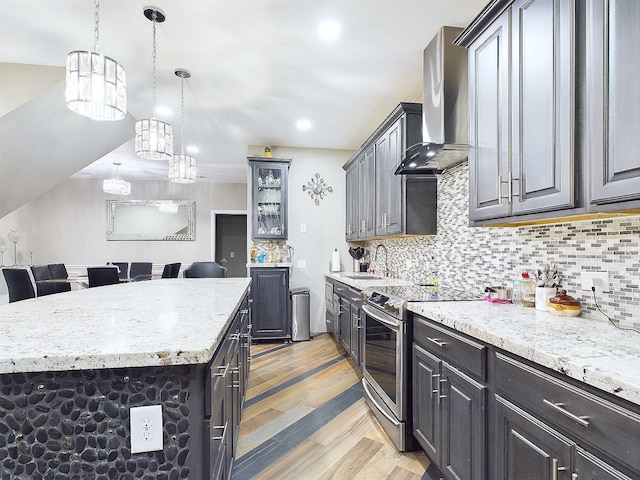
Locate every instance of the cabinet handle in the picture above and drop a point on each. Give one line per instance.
(440, 396)
(222, 371)
(559, 407)
(574, 476)
(244, 311)
(556, 469)
(224, 432)
(437, 342)
(509, 188)
(437, 390)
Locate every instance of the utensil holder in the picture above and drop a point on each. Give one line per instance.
(543, 294)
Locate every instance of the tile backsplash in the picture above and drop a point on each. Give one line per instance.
(473, 257)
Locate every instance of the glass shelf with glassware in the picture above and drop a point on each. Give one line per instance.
(269, 197)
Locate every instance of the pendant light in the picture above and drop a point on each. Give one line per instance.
(182, 168)
(154, 138)
(116, 186)
(96, 85)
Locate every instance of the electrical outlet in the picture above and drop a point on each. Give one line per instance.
(599, 280)
(146, 428)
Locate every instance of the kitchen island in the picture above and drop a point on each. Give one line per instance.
(74, 363)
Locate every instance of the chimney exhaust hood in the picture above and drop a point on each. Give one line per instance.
(445, 112)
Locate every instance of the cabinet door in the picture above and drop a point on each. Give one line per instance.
(270, 287)
(367, 195)
(463, 426)
(613, 103)
(528, 449)
(352, 224)
(344, 319)
(269, 200)
(356, 333)
(589, 467)
(489, 122)
(542, 46)
(426, 403)
(388, 185)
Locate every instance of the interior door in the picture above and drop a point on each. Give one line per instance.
(230, 242)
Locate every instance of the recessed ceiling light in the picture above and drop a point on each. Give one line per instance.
(164, 111)
(329, 30)
(192, 149)
(303, 124)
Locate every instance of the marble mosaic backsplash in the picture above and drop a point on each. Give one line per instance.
(474, 257)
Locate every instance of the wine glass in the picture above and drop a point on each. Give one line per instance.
(3, 248)
(14, 236)
(31, 250)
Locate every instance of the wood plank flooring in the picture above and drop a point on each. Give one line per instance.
(305, 418)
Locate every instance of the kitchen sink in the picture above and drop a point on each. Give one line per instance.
(361, 276)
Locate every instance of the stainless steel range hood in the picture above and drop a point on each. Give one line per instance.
(445, 113)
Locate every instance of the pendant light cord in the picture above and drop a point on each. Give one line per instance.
(96, 27)
(182, 114)
(153, 21)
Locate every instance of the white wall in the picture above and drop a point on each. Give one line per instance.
(68, 224)
(324, 222)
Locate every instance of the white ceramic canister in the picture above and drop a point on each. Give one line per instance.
(543, 294)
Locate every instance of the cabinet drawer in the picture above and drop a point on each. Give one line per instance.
(610, 428)
(465, 354)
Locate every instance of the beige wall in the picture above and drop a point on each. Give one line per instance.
(68, 224)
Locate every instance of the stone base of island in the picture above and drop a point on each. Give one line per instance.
(72, 365)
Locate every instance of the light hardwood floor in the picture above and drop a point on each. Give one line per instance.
(305, 418)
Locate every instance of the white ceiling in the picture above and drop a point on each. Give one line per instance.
(258, 66)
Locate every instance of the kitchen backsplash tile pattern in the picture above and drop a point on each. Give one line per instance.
(473, 257)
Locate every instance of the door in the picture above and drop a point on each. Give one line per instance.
(542, 162)
(528, 449)
(388, 185)
(367, 197)
(463, 426)
(352, 228)
(270, 288)
(269, 200)
(590, 467)
(489, 122)
(613, 106)
(230, 243)
(426, 404)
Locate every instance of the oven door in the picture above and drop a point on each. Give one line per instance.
(384, 358)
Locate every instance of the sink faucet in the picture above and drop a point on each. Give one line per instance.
(386, 258)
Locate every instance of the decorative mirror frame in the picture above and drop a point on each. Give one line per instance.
(189, 230)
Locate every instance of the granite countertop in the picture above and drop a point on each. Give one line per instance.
(269, 265)
(592, 351)
(157, 322)
(363, 283)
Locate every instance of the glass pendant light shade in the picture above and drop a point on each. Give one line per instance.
(96, 85)
(116, 186)
(154, 139)
(182, 169)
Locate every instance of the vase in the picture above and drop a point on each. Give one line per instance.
(543, 294)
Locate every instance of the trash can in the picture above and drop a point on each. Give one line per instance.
(300, 322)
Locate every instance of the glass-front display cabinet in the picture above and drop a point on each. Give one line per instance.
(269, 197)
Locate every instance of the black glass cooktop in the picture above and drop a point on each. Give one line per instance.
(423, 293)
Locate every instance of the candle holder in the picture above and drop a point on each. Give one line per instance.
(14, 236)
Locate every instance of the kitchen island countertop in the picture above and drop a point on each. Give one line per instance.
(588, 350)
(157, 322)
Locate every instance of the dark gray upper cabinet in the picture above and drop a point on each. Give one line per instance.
(521, 84)
(613, 107)
(269, 191)
(389, 204)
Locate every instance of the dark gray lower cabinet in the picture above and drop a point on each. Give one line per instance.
(482, 413)
(225, 386)
(449, 416)
(270, 309)
(349, 327)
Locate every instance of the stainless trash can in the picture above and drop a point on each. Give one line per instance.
(300, 321)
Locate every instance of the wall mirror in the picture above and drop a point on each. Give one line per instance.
(151, 220)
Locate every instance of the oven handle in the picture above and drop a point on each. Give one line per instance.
(379, 407)
(392, 324)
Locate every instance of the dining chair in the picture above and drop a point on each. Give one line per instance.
(205, 270)
(18, 284)
(100, 276)
(171, 270)
(124, 269)
(140, 271)
(41, 274)
(59, 272)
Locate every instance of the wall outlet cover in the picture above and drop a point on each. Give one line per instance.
(146, 428)
(599, 280)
